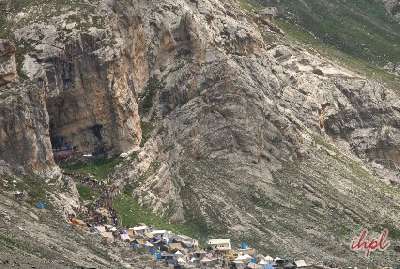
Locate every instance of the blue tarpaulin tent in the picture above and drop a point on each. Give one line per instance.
(244, 245)
(157, 255)
(40, 205)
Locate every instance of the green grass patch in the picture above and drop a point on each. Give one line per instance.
(100, 168)
(86, 193)
(249, 5)
(131, 213)
(359, 65)
(35, 187)
(147, 129)
(149, 93)
(360, 28)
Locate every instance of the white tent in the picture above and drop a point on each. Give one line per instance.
(101, 229)
(205, 260)
(125, 237)
(178, 253)
(248, 257)
(241, 258)
(148, 244)
(268, 258)
(300, 263)
(252, 265)
(181, 260)
(193, 259)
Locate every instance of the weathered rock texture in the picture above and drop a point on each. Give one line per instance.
(242, 134)
(8, 71)
(24, 129)
(261, 140)
(393, 8)
(91, 93)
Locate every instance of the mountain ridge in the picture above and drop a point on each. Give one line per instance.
(222, 122)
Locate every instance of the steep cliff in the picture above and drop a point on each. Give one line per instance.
(233, 128)
(24, 129)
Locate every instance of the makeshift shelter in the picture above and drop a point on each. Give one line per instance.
(269, 259)
(135, 244)
(131, 233)
(244, 245)
(178, 254)
(140, 230)
(239, 264)
(175, 246)
(300, 263)
(194, 260)
(250, 251)
(181, 260)
(220, 244)
(148, 245)
(263, 263)
(252, 265)
(157, 255)
(40, 205)
(247, 257)
(78, 222)
(101, 229)
(155, 233)
(186, 241)
(103, 211)
(289, 265)
(110, 228)
(125, 237)
(108, 236)
(205, 260)
(167, 256)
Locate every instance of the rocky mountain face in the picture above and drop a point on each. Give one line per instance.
(234, 129)
(393, 7)
(24, 127)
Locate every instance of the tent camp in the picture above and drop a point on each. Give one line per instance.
(300, 263)
(220, 244)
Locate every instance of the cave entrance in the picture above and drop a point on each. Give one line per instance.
(62, 148)
(96, 129)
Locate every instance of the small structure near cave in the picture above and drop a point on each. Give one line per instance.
(220, 244)
(269, 12)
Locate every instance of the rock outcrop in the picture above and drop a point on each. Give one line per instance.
(8, 70)
(393, 8)
(256, 138)
(241, 133)
(24, 129)
(91, 98)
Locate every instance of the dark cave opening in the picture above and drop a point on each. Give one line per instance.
(96, 129)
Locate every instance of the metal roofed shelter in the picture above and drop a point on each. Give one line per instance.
(220, 244)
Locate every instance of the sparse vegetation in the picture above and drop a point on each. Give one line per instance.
(249, 5)
(86, 193)
(364, 68)
(354, 34)
(100, 168)
(147, 129)
(131, 213)
(147, 98)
